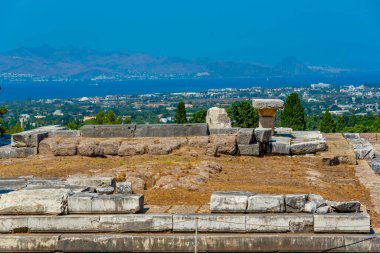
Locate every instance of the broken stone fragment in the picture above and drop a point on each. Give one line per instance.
(318, 199)
(124, 187)
(251, 149)
(159, 149)
(346, 207)
(131, 149)
(308, 147)
(295, 203)
(310, 207)
(110, 147)
(104, 190)
(323, 210)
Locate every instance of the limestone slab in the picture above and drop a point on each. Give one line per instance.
(29, 138)
(217, 118)
(39, 201)
(295, 203)
(308, 147)
(342, 223)
(263, 134)
(171, 130)
(91, 181)
(233, 202)
(13, 224)
(108, 131)
(279, 145)
(208, 223)
(279, 223)
(64, 224)
(266, 203)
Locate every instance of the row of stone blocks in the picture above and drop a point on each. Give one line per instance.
(222, 223)
(210, 242)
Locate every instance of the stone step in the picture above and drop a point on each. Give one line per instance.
(223, 223)
(186, 243)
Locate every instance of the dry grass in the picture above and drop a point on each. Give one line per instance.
(270, 174)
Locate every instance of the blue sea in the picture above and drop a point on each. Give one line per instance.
(42, 90)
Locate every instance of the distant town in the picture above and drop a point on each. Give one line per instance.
(158, 108)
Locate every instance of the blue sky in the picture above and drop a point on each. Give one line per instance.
(337, 33)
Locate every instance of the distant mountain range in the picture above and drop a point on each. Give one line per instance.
(72, 63)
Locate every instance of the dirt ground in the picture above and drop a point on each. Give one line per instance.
(269, 174)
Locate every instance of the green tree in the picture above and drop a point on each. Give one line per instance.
(327, 124)
(16, 128)
(242, 114)
(73, 125)
(180, 114)
(293, 115)
(3, 111)
(199, 116)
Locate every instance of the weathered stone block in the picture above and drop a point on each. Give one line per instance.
(12, 183)
(251, 149)
(28, 138)
(342, 223)
(13, 224)
(171, 130)
(117, 203)
(208, 223)
(136, 223)
(65, 149)
(230, 130)
(263, 134)
(89, 148)
(159, 149)
(131, 149)
(365, 152)
(230, 202)
(108, 131)
(308, 147)
(223, 144)
(41, 201)
(267, 103)
(346, 207)
(217, 118)
(29, 243)
(109, 147)
(14, 152)
(266, 203)
(375, 165)
(91, 181)
(64, 224)
(198, 141)
(279, 223)
(65, 133)
(279, 145)
(295, 203)
(245, 136)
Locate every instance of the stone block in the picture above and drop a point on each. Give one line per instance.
(65, 149)
(171, 130)
(263, 134)
(208, 223)
(308, 147)
(223, 144)
(13, 224)
(317, 199)
(342, 223)
(279, 145)
(245, 136)
(28, 138)
(267, 103)
(279, 223)
(29, 243)
(283, 132)
(109, 147)
(346, 207)
(351, 135)
(40, 201)
(89, 148)
(108, 131)
(96, 243)
(217, 118)
(136, 223)
(14, 152)
(364, 152)
(159, 149)
(12, 183)
(230, 130)
(375, 165)
(198, 141)
(230, 202)
(251, 149)
(64, 224)
(91, 181)
(295, 203)
(131, 149)
(266, 203)
(65, 133)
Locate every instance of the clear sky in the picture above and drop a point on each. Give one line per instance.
(341, 33)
